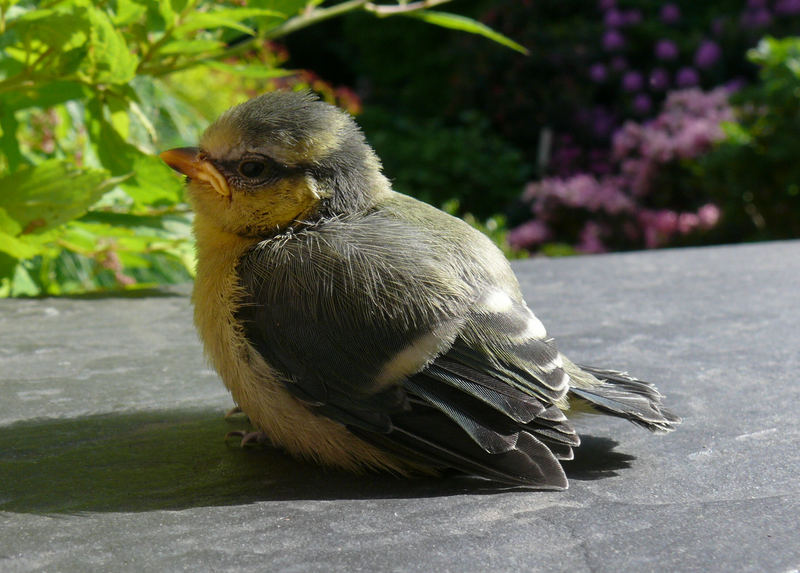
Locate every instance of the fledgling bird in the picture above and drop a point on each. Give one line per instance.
(363, 329)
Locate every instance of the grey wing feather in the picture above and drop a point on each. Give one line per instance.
(330, 307)
(619, 394)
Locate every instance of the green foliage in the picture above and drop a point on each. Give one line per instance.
(90, 92)
(458, 22)
(437, 162)
(754, 174)
(84, 202)
(495, 227)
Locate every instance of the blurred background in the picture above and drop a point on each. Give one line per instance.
(556, 127)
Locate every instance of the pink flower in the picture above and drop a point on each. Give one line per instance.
(666, 50)
(614, 196)
(642, 103)
(632, 81)
(613, 41)
(614, 18)
(626, 140)
(530, 234)
(687, 77)
(591, 239)
(688, 222)
(755, 18)
(707, 54)
(709, 215)
(787, 7)
(598, 73)
(659, 79)
(670, 13)
(658, 226)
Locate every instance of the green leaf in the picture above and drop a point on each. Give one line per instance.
(17, 248)
(286, 7)
(161, 226)
(43, 95)
(9, 143)
(190, 47)
(9, 243)
(250, 70)
(8, 224)
(457, 22)
(109, 58)
(41, 27)
(22, 284)
(50, 194)
(128, 12)
(167, 12)
(148, 181)
(736, 133)
(231, 18)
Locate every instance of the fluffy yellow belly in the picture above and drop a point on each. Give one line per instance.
(254, 385)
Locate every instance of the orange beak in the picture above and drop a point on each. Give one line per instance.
(187, 160)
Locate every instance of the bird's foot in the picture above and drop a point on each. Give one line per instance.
(248, 438)
(232, 412)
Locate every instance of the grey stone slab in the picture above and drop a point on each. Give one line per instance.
(112, 454)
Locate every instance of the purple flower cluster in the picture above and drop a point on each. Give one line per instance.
(661, 225)
(757, 14)
(678, 63)
(615, 207)
(688, 125)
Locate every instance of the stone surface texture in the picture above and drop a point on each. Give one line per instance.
(112, 455)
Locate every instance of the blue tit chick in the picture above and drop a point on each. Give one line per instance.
(363, 329)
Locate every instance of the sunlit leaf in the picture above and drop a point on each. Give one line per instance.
(8, 142)
(287, 7)
(128, 12)
(464, 24)
(9, 243)
(43, 95)
(190, 47)
(17, 248)
(109, 59)
(148, 181)
(47, 195)
(22, 284)
(47, 28)
(231, 18)
(167, 12)
(251, 70)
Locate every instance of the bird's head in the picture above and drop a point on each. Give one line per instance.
(276, 160)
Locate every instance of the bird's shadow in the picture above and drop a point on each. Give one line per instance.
(144, 461)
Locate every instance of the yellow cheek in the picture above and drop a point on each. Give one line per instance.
(274, 208)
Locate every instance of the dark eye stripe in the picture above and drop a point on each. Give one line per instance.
(251, 168)
(271, 170)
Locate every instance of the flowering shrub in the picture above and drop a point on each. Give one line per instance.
(754, 174)
(643, 201)
(618, 111)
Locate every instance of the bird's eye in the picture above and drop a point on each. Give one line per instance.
(251, 168)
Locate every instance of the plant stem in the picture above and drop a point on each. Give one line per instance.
(312, 17)
(383, 10)
(299, 22)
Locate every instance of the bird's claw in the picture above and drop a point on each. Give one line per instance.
(255, 438)
(232, 412)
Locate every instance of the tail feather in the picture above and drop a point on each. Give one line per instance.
(621, 395)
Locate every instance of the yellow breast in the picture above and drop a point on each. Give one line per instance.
(255, 386)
